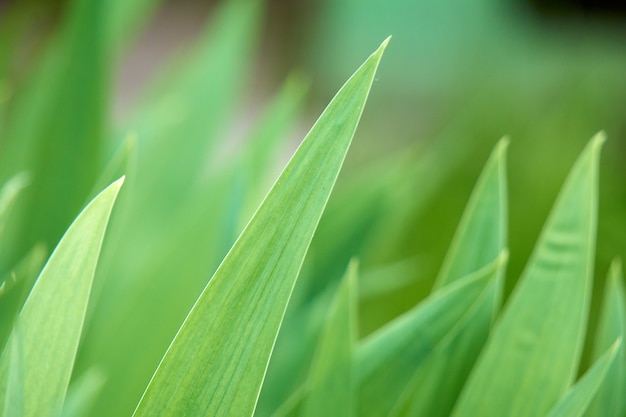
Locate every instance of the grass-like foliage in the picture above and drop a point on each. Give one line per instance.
(192, 295)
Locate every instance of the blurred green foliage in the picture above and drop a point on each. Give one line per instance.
(458, 76)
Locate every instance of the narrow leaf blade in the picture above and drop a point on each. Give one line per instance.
(481, 234)
(52, 318)
(536, 345)
(609, 401)
(389, 359)
(255, 280)
(331, 385)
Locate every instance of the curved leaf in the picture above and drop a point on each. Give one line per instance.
(51, 321)
(216, 364)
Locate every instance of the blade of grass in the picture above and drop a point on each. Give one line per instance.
(577, 399)
(609, 401)
(233, 325)
(331, 385)
(52, 318)
(389, 359)
(533, 352)
(481, 234)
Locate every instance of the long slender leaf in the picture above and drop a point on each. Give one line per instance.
(609, 401)
(535, 347)
(481, 235)
(389, 359)
(577, 399)
(52, 318)
(331, 384)
(216, 364)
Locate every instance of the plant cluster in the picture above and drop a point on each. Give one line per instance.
(190, 295)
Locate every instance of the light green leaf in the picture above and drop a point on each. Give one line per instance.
(52, 318)
(609, 401)
(481, 234)
(14, 395)
(577, 399)
(534, 349)
(216, 364)
(390, 358)
(331, 385)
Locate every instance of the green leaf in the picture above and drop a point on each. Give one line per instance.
(331, 385)
(437, 384)
(15, 288)
(577, 399)
(168, 219)
(533, 352)
(479, 239)
(52, 318)
(216, 364)
(82, 393)
(14, 395)
(9, 193)
(481, 234)
(609, 401)
(63, 146)
(391, 358)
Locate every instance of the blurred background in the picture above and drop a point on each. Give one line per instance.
(200, 103)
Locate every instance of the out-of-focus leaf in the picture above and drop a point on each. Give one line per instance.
(388, 278)
(82, 393)
(534, 349)
(57, 124)
(389, 359)
(481, 235)
(170, 215)
(121, 163)
(234, 323)
(331, 385)
(609, 401)
(9, 193)
(52, 318)
(16, 286)
(14, 395)
(577, 399)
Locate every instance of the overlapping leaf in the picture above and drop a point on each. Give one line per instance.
(390, 359)
(331, 387)
(577, 399)
(609, 401)
(534, 349)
